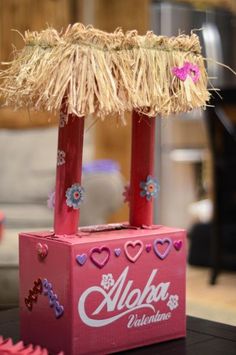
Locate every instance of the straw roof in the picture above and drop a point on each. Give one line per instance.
(102, 74)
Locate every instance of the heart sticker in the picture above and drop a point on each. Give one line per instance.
(180, 73)
(38, 287)
(42, 250)
(167, 242)
(58, 309)
(148, 248)
(100, 256)
(47, 286)
(133, 245)
(81, 259)
(187, 70)
(178, 244)
(28, 303)
(32, 296)
(52, 298)
(117, 252)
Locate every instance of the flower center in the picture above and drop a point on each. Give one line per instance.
(76, 195)
(150, 187)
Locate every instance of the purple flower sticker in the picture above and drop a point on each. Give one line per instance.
(51, 200)
(150, 188)
(74, 196)
(187, 70)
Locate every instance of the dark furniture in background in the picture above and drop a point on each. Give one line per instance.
(222, 138)
(213, 244)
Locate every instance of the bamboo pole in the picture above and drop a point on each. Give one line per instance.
(142, 166)
(68, 174)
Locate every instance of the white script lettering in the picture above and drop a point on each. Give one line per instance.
(135, 321)
(122, 296)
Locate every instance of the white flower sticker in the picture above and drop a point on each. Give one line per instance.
(63, 119)
(107, 281)
(173, 302)
(61, 157)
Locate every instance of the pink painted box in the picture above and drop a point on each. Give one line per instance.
(102, 291)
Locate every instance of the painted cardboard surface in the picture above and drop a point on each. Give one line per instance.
(118, 289)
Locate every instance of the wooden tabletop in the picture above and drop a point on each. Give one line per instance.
(203, 337)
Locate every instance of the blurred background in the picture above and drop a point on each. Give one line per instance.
(195, 152)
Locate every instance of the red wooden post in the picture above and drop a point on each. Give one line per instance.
(142, 166)
(69, 170)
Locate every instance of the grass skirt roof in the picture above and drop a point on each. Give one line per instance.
(105, 73)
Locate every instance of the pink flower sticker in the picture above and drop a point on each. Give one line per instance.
(187, 70)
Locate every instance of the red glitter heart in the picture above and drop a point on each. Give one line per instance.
(32, 296)
(28, 303)
(38, 287)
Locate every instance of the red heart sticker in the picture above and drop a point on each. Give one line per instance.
(28, 303)
(178, 244)
(100, 256)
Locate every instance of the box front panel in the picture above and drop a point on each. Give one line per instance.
(128, 292)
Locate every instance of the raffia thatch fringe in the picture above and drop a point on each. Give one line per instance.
(103, 73)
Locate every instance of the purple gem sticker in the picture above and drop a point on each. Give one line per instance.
(117, 252)
(148, 248)
(81, 259)
(58, 309)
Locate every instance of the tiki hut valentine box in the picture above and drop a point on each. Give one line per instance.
(102, 289)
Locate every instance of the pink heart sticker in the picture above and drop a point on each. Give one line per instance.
(180, 73)
(188, 69)
(167, 243)
(178, 244)
(138, 245)
(100, 256)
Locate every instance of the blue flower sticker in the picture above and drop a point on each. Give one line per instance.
(74, 196)
(150, 188)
